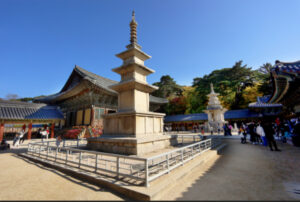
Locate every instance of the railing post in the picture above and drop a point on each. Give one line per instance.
(168, 163)
(96, 163)
(64, 142)
(182, 156)
(118, 167)
(80, 156)
(77, 143)
(40, 151)
(192, 151)
(47, 150)
(194, 139)
(56, 153)
(182, 139)
(67, 151)
(146, 173)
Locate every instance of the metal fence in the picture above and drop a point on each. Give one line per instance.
(135, 170)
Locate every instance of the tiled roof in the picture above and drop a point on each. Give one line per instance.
(100, 82)
(263, 105)
(232, 114)
(13, 110)
(287, 67)
(187, 117)
(240, 114)
(95, 79)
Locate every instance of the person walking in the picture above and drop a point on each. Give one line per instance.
(269, 134)
(16, 140)
(260, 131)
(22, 136)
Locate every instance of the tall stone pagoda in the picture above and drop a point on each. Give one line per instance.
(133, 129)
(214, 110)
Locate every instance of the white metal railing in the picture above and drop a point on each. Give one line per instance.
(142, 170)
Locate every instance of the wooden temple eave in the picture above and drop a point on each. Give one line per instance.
(27, 121)
(87, 99)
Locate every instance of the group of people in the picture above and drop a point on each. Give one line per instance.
(265, 131)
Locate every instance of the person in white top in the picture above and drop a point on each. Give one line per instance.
(260, 131)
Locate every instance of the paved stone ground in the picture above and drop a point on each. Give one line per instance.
(244, 172)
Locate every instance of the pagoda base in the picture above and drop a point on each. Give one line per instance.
(129, 145)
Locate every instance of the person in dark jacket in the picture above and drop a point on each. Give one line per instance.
(269, 132)
(296, 135)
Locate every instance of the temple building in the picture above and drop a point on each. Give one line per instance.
(30, 116)
(286, 86)
(85, 97)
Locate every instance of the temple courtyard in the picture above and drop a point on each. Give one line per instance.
(240, 172)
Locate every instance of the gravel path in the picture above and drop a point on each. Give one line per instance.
(244, 172)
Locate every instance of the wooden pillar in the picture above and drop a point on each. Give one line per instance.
(1, 131)
(52, 130)
(92, 116)
(29, 131)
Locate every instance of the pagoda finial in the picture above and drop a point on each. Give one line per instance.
(133, 25)
(212, 88)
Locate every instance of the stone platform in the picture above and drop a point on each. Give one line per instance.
(131, 145)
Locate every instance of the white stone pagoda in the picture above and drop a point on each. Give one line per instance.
(133, 129)
(215, 111)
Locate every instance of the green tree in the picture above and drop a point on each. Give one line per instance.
(167, 87)
(264, 74)
(229, 82)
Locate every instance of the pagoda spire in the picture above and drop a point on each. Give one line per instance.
(212, 88)
(133, 25)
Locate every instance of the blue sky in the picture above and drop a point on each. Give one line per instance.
(42, 40)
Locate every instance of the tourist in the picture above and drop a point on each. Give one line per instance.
(44, 134)
(58, 140)
(230, 129)
(219, 129)
(252, 133)
(195, 128)
(269, 134)
(226, 129)
(22, 136)
(211, 130)
(202, 130)
(16, 140)
(260, 131)
(296, 134)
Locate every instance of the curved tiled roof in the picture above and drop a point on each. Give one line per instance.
(13, 110)
(287, 67)
(97, 80)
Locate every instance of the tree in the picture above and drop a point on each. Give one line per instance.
(229, 82)
(167, 87)
(264, 75)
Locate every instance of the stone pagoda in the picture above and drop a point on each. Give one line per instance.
(215, 111)
(133, 129)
